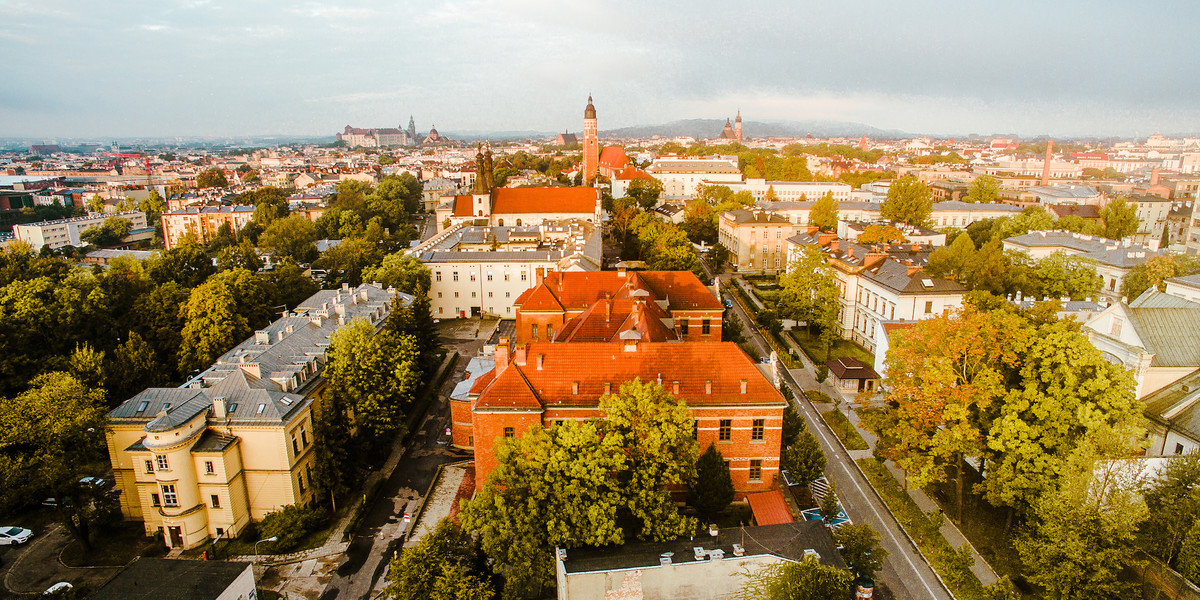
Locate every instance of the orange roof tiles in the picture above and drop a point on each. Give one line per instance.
(544, 200)
(462, 206)
(577, 290)
(769, 508)
(591, 365)
(614, 157)
(630, 173)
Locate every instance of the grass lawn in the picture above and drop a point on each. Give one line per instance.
(844, 430)
(113, 548)
(812, 347)
(924, 530)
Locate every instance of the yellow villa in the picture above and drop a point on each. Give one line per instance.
(236, 442)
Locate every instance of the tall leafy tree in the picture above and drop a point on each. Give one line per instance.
(375, 375)
(984, 189)
(186, 264)
(445, 565)
(654, 429)
(134, 366)
(645, 191)
(713, 490)
(908, 201)
(291, 237)
(860, 548)
(213, 177)
(810, 294)
(803, 459)
(211, 327)
(824, 213)
(1173, 506)
(1119, 218)
(401, 271)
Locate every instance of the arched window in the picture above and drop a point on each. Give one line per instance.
(518, 222)
(481, 213)
(500, 222)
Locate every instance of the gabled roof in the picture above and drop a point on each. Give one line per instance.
(613, 157)
(851, 368)
(1171, 334)
(544, 200)
(462, 206)
(893, 275)
(591, 365)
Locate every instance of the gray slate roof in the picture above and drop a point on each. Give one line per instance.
(1183, 399)
(893, 275)
(1171, 334)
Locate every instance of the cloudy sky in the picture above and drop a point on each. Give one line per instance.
(201, 67)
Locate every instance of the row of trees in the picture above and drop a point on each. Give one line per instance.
(994, 270)
(1031, 399)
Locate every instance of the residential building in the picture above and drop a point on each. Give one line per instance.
(150, 578)
(755, 240)
(612, 161)
(1174, 415)
(881, 283)
(1112, 259)
(601, 306)
(1187, 287)
(235, 442)
(203, 222)
(952, 213)
(65, 232)
(1152, 213)
(735, 405)
(700, 568)
(680, 176)
(1154, 337)
(519, 206)
(433, 190)
(1054, 194)
(481, 269)
(792, 191)
(850, 230)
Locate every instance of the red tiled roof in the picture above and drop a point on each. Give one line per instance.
(539, 298)
(462, 206)
(577, 290)
(544, 200)
(630, 173)
(769, 508)
(591, 365)
(614, 157)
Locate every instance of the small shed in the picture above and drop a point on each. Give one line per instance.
(852, 376)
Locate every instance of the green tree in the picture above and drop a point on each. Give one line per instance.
(810, 294)
(291, 237)
(793, 423)
(187, 264)
(1084, 532)
(551, 487)
(289, 525)
(1063, 275)
(829, 506)
(293, 285)
(1173, 505)
(401, 271)
(713, 490)
(824, 213)
(1119, 218)
(1155, 271)
(95, 204)
(444, 565)
(803, 459)
(110, 232)
(645, 191)
(51, 435)
(908, 201)
(135, 366)
(334, 470)
(377, 375)
(984, 189)
(211, 326)
(805, 580)
(878, 233)
(210, 178)
(654, 429)
(1189, 553)
(239, 256)
(861, 549)
(952, 259)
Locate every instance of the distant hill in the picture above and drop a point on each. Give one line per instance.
(711, 128)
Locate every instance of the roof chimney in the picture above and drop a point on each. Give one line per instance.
(540, 357)
(540, 274)
(520, 355)
(1154, 176)
(913, 269)
(1046, 167)
(501, 355)
(219, 407)
(607, 307)
(744, 386)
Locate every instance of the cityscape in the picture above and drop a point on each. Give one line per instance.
(587, 324)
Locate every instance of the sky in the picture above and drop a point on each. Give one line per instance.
(81, 68)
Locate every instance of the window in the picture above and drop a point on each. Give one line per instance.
(696, 429)
(533, 328)
(438, 276)
(550, 332)
(1116, 326)
(216, 501)
(472, 294)
(220, 531)
(489, 277)
(726, 432)
(149, 466)
(454, 276)
(154, 501)
(756, 432)
(756, 470)
(472, 277)
(208, 467)
(508, 294)
(1178, 449)
(508, 432)
(295, 445)
(506, 276)
(683, 327)
(455, 294)
(161, 461)
(142, 405)
(439, 294)
(522, 275)
(929, 307)
(303, 437)
(705, 326)
(168, 495)
(489, 294)
(300, 482)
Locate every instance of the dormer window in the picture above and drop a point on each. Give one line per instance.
(261, 408)
(142, 405)
(166, 405)
(232, 408)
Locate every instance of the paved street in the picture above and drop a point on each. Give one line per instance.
(905, 571)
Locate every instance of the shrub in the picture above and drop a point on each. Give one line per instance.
(818, 397)
(822, 373)
(290, 524)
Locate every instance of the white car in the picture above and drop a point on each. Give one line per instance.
(14, 535)
(61, 586)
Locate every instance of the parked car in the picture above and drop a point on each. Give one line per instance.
(95, 482)
(10, 535)
(61, 586)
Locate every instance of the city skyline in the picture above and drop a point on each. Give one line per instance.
(204, 68)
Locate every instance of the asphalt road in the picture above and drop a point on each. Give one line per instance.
(905, 572)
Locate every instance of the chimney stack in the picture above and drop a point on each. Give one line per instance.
(607, 307)
(520, 355)
(1154, 176)
(1046, 167)
(501, 355)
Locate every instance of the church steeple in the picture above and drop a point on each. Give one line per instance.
(481, 171)
(737, 126)
(591, 143)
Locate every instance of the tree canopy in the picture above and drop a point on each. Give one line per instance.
(210, 178)
(908, 201)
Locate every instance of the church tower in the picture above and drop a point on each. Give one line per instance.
(737, 127)
(591, 145)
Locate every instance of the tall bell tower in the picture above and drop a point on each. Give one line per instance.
(737, 126)
(591, 144)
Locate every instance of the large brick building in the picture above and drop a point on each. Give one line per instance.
(735, 406)
(600, 306)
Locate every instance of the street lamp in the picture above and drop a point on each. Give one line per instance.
(270, 539)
